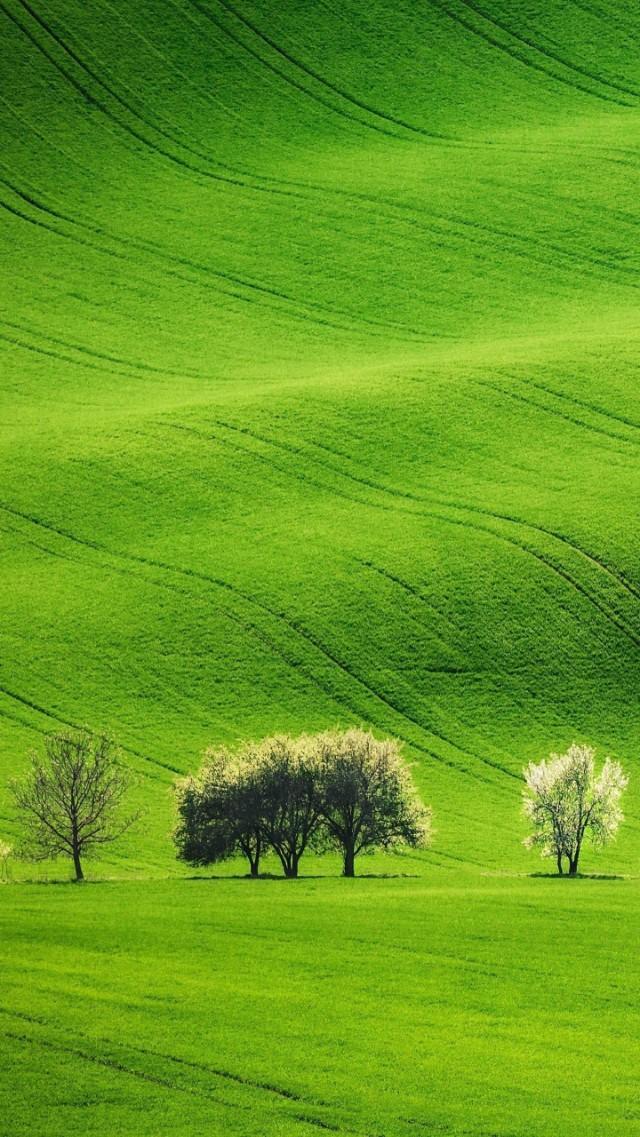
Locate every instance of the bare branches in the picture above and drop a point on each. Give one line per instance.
(71, 799)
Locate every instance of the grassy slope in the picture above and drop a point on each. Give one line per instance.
(319, 397)
(270, 1010)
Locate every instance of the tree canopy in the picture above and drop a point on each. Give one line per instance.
(566, 801)
(340, 789)
(367, 798)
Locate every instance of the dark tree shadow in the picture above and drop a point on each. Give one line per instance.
(578, 876)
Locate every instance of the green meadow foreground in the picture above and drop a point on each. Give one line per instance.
(447, 1003)
(319, 407)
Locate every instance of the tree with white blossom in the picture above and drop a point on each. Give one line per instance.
(567, 801)
(6, 853)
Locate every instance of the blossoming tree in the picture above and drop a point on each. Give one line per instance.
(566, 801)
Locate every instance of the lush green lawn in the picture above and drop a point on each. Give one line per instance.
(447, 1003)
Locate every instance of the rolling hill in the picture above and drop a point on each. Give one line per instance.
(320, 388)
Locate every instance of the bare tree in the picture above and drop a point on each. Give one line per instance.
(219, 810)
(566, 802)
(367, 798)
(71, 800)
(290, 796)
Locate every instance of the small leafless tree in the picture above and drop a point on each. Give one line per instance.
(70, 801)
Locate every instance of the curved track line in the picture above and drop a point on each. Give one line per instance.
(626, 585)
(588, 406)
(127, 128)
(547, 53)
(293, 307)
(288, 79)
(611, 615)
(599, 430)
(521, 57)
(23, 701)
(292, 627)
(306, 70)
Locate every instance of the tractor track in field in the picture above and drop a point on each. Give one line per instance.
(98, 101)
(610, 614)
(211, 166)
(110, 1064)
(115, 1064)
(377, 694)
(299, 632)
(231, 176)
(12, 717)
(39, 709)
(450, 230)
(553, 56)
(546, 409)
(15, 341)
(235, 177)
(454, 232)
(207, 276)
(290, 81)
(420, 499)
(106, 361)
(543, 558)
(393, 120)
(252, 629)
(208, 171)
(209, 96)
(410, 590)
(620, 419)
(80, 85)
(521, 56)
(429, 605)
(600, 14)
(162, 125)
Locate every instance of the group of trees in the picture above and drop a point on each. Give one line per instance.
(338, 790)
(343, 790)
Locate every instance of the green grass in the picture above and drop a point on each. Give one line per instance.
(319, 412)
(319, 405)
(399, 1006)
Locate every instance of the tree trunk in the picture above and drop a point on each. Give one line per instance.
(77, 865)
(559, 864)
(573, 865)
(349, 861)
(289, 860)
(254, 866)
(290, 863)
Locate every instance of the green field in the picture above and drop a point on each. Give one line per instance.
(319, 405)
(282, 1009)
